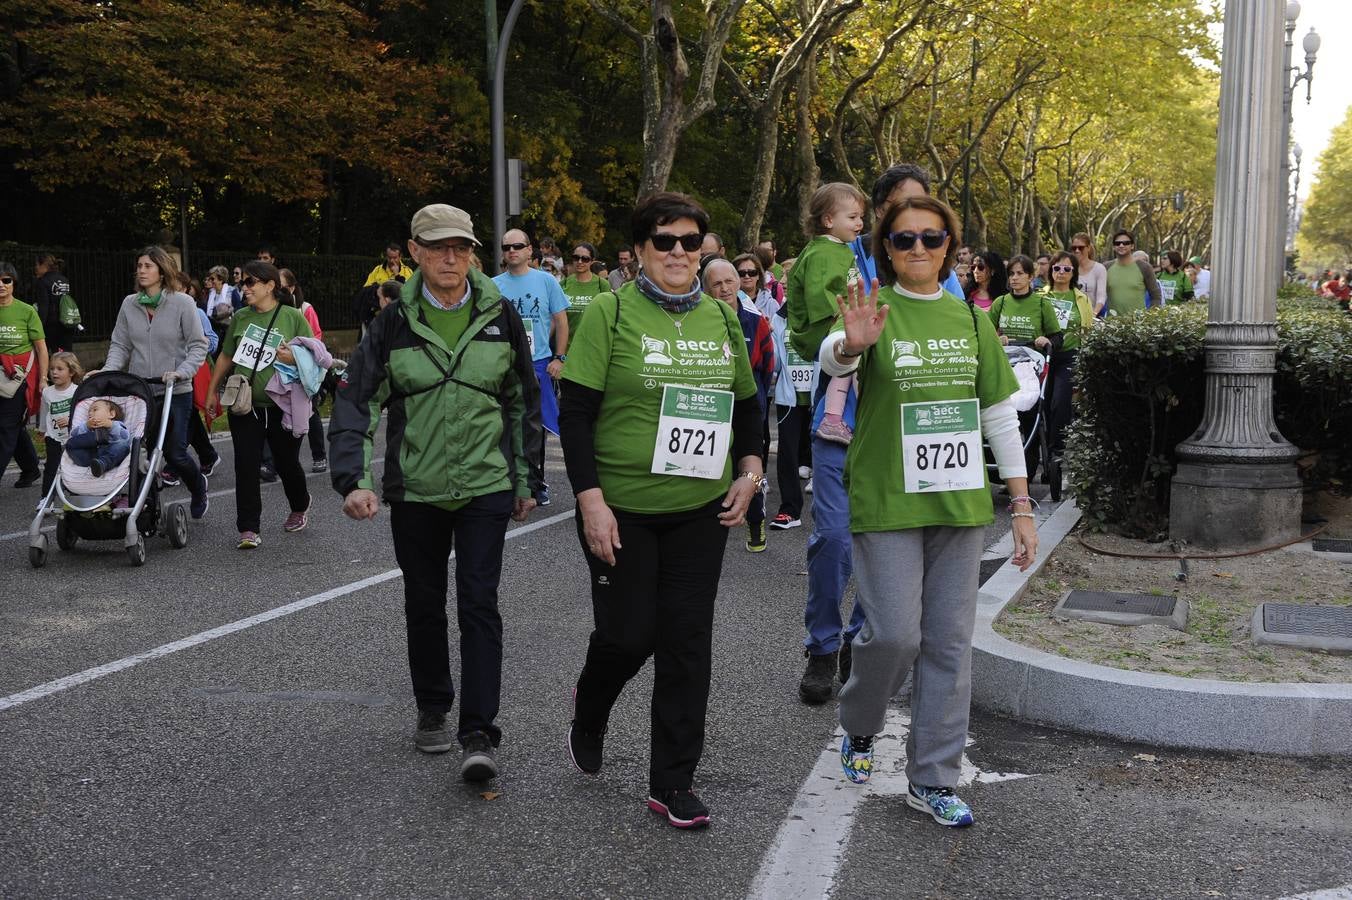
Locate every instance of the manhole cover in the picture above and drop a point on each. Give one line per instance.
(1115, 608)
(1288, 618)
(1312, 627)
(1109, 601)
(1333, 545)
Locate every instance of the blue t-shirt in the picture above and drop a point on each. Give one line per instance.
(537, 297)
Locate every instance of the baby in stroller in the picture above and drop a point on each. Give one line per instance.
(102, 441)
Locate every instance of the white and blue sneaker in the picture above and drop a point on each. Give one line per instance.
(944, 806)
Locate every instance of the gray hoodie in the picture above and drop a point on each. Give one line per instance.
(172, 341)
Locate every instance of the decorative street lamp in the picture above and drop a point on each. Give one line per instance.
(1293, 215)
(1236, 484)
(1310, 45)
(182, 184)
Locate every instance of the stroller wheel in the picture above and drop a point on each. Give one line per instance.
(136, 553)
(177, 527)
(37, 554)
(66, 537)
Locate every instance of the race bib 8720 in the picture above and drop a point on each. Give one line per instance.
(941, 446)
(694, 432)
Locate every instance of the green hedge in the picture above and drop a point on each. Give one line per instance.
(1141, 389)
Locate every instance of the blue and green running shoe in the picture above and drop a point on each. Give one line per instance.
(856, 757)
(944, 806)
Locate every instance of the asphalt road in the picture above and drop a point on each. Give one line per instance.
(277, 760)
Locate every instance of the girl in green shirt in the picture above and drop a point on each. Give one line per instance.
(1075, 313)
(1175, 286)
(1023, 317)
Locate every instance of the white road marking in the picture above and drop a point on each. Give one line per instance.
(806, 853)
(1338, 893)
(88, 675)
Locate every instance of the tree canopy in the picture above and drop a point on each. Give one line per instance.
(320, 124)
(1325, 237)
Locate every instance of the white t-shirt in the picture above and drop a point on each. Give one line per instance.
(1203, 286)
(56, 404)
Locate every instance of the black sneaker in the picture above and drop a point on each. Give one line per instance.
(542, 498)
(584, 748)
(815, 688)
(28, 479)
(267, 474)
(167, 478)
(320, 465)
(846, 659)
(681, 807)
(432, 735)
(209, 468)
(477, 764)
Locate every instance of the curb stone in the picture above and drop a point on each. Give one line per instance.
(1286, 718)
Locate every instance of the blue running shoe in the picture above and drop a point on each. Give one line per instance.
(856, 757)
(944, 806)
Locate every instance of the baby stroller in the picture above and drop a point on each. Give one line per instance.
(1030, 370)
(123, 502)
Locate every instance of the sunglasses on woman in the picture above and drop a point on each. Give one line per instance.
(748, 273)
(250, 281)
(1063, 268)
(576, 258)
(979, 266)
(930, 239)
(5, 279)
(665, 243)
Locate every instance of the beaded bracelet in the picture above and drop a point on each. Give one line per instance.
(1022, 515)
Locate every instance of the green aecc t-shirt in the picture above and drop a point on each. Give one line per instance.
(289, 324)
(631, 362)
(20, 326)
(1024, 319)
(938, 349)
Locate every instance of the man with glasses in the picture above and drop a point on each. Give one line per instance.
(1131, 281)
(450, 364)
(543, 308)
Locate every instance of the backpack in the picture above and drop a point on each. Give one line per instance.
(68, 311)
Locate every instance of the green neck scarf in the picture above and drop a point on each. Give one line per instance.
(146, 300)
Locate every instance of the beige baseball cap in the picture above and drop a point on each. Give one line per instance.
(437, 222)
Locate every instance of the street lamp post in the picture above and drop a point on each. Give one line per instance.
(182, 184)
(1293, 213)
(1236, 484)
(1310, 44)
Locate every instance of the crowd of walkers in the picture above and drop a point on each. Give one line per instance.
(877, 359)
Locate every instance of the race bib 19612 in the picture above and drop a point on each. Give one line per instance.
(252, 347)
(941, 446)
(693, 433)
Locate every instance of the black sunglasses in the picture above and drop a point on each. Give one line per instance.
(665, 243)
(517, 246)
(577, 258)
(250, 281)
(5, 279)
(930, 238)
(1122, 243)
(748, 273)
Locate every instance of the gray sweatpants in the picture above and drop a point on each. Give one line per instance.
(918, 588)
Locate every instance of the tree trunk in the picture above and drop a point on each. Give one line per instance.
(809, 173)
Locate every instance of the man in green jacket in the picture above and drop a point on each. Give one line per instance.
(451, 365)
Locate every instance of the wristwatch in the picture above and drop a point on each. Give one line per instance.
(561, 357)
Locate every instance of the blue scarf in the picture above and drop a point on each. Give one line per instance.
(672, 303)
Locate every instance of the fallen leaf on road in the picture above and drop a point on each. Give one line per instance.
(1145, 757)
(489, 795)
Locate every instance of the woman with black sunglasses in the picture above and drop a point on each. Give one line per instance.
(259, 336)
(1075, 312)
(987, 279)
(581, 284)
(661, 433)
(933, 379)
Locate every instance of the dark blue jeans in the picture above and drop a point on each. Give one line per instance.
(424, 536)
(86, 447)
(176, 442)
(829, 558)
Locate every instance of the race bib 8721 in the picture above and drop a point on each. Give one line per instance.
(941, 446)
(694, 432)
